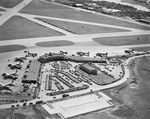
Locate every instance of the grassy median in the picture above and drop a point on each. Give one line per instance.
(124, 40)
(18, 27)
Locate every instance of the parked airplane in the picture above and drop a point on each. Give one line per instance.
(83, 53)
(13, 76)
(30, 54)
(102, 54)
(6, 86)
(129, 51)
(63, 52)
(15, 66)
(20, 59)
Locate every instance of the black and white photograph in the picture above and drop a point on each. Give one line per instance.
(74, 59)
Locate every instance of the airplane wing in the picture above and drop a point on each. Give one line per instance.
(7, 88)
(7, 84)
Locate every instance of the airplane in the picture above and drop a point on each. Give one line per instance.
(20, 59)
(13, 76)
(63, 52)
(6, 86)
(30, 54)
(101, 54)
(131, 51)
(83, 53)
(15, 66)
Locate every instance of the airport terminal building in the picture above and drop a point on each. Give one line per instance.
(33, 72)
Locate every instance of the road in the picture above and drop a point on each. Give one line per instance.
(29, 42)
(11, 12)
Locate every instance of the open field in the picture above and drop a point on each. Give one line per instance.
(34, 112)
(54, 43)
(9, 3)
(101, 78)
(125, 112)
(18, 27)
(124, 40)
(37, 5)
(142, 96)
(130, 1)
(135, 101)
(94, 115)
(9, 48)
(79, 28)
(44, 9)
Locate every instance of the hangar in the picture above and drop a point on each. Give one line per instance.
(88, 69)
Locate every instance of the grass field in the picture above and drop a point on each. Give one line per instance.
(37, 5)
(94, 115)
(9, 48)
(142, 49)
(28, 112)
(101, 78)
(55, 43)
(18, 27)
(78, 28)
(51, 10)
(124, 40)
(9, 3)
(142, 96)
(135, 101)
(130, 1)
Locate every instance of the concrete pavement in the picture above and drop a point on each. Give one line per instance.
(11, 12)
(74, 38)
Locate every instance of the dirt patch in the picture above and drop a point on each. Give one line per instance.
(34, 112)
(125, 112)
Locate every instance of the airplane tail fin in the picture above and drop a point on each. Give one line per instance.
(16, 71)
